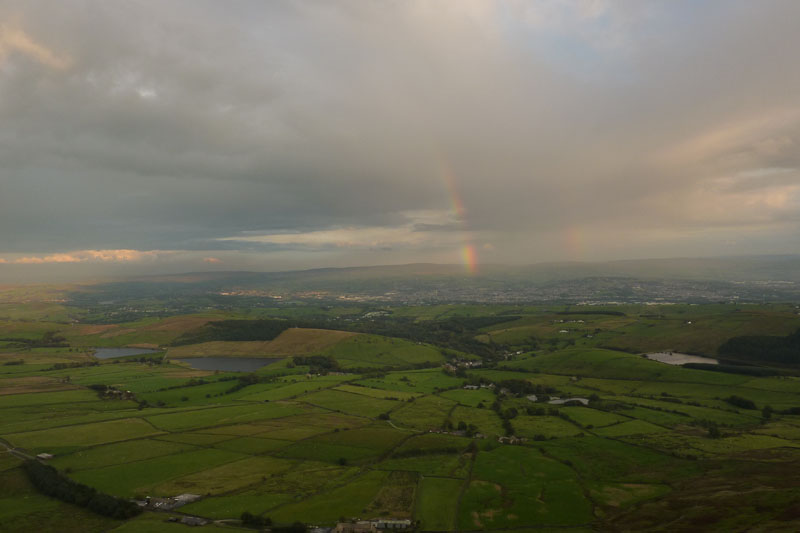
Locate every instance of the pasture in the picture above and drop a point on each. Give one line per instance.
(395, 440)
(142, 477)
(376, 351)
(351, 499)
(349, 403)
(518, 486)
(423, 413)
(61, 439)
(437, 503)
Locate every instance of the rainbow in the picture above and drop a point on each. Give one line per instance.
(470, 258)
(469, 254)
(573, 241)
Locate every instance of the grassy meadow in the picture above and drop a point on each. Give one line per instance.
(350, 424)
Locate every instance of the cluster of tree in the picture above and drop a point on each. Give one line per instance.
(195, 382)
(50, 339)
(418, 452)
(318, 364)
(625, 349)
(51, 482)
(153, 360)
(763, 349)
(255, 521)
(542, 411)
(65, 366)
(453, 333)
(712, 427)
(99, 388)
(524, 387)
(506, 415)
(469, 429)
(247, 380)
(742, 403)
(758, 371)
(592, 312)
(237, 330)
(105, 392)
(16, 362)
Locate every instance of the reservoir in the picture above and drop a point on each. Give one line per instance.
(562, 401)
(227, 364)
(675, 358)
(109, 353)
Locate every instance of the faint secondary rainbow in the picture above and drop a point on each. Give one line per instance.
(469, 254)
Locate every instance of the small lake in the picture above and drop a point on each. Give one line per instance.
(675, 358)
(227, 364)
(109, 353)
(562, 401)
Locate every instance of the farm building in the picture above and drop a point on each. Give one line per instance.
(372, 526)
(362, 526)
(395, 525)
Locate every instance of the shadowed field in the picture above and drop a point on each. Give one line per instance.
(293, 341)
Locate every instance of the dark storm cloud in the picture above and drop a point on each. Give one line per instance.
(187, 125)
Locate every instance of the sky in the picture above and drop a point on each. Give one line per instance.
(153, 136)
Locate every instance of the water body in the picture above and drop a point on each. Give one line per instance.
(109, 353)
(562, 401)
(675, 358)
(227, 364)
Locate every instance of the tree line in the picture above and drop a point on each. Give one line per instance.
(763, 348)
(237, 330)
(51, 482)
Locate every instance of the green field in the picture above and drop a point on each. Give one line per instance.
(546, 426)
(226, 477)
(423, 413)
(225, 415)
(372, 350)
(390, 433)
(351, 499)
(142, 477)
(517, 486)
(437, 503)
(71, 437)
(347, 402)
(123, 452)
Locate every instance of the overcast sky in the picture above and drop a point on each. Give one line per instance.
(165, 135)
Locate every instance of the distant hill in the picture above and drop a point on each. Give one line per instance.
(734, 268)
(693, 280)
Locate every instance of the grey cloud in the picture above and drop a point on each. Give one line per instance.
(180, 123)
